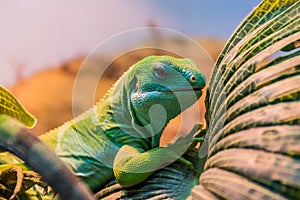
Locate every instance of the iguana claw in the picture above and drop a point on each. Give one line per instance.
(196, 139)
(186, 162)
(199, 137)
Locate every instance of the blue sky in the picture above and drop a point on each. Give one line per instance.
(37, 34)
(204, 17)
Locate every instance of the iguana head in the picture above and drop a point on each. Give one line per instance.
(161, 88)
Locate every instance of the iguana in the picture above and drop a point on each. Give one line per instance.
(119, 136)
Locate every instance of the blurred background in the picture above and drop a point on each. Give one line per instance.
(43, 43)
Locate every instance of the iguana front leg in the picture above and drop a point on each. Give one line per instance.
(132, 166)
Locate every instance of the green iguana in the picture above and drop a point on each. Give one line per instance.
(119, 136)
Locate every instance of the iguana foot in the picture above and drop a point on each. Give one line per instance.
(199, 137)
(195, 141)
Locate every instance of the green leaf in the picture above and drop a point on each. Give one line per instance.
(10, 106)
(252, 114)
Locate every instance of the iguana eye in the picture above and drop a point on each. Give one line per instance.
(160, 71)
(193, 78)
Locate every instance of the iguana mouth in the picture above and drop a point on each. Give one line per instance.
(183, 90)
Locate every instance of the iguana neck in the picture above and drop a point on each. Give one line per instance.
(115, 116)
(120, 114)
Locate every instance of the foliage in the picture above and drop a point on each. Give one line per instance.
(10, 106)
(253, 116)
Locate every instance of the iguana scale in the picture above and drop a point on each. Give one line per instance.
(120, 135)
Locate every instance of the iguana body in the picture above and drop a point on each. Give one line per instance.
(120, 135)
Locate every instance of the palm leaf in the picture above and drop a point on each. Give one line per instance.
(10, 106)
(253, 115)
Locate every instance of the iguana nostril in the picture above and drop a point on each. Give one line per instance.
(193, 78)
